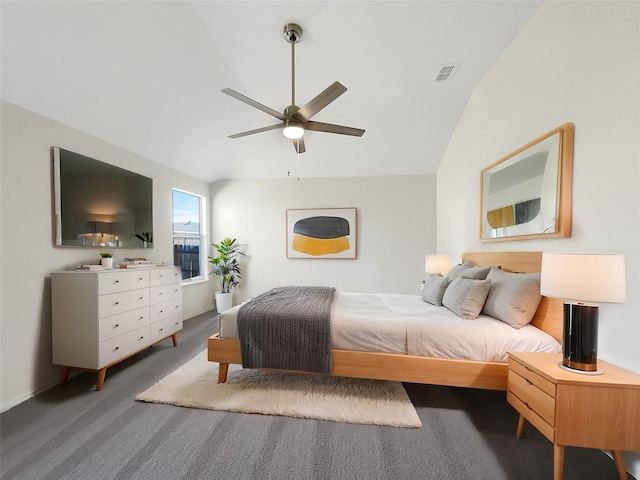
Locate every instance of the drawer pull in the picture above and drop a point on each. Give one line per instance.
(161, 311)
(141, 317)
(117, 348)
(140, 279)
(177, 323)
(161, 276)
(117, 303)
(529, 382)
(141, 338)
(117, 281)
(177, 306)
(160, 294)
(116, 325)
(161, 329)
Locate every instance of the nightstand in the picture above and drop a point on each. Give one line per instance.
(593, 411)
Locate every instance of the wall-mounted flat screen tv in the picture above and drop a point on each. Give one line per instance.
(100, 205)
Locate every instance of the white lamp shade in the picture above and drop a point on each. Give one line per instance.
(583, 277)
(437, 263)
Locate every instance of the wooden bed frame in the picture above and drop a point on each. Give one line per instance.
(427, 370)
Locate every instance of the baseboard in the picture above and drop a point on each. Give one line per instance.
(17, 401)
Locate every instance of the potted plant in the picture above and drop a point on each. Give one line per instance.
(227, 269)
(106, 258)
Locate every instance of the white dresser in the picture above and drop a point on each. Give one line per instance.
(102, 317)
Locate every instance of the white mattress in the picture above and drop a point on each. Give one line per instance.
(395, 323)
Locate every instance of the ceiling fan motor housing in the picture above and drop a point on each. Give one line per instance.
(292, 32)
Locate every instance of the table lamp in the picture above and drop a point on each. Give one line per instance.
(584, 280)
(437, 263)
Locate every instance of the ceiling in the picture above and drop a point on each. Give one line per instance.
(147, 76)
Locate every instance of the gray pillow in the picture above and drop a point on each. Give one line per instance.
(465, 296)
(434, 288)
(513, 297)
(469, 271)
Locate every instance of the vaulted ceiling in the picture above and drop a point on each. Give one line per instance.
(147, 76)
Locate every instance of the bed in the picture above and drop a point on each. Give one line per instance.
(418, 368)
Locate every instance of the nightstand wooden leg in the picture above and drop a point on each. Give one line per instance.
(520, 428)
(619, 459)
(222, 372)
(101, 374)
(558, 461)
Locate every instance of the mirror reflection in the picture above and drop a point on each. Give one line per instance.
(527, 193)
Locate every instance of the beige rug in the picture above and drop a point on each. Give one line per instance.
(349, 400)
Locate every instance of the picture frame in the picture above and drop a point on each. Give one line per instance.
(320, 233)
(527, 194)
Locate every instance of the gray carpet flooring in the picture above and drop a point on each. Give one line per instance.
(74, 432)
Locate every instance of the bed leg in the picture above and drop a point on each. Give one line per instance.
(222, 372)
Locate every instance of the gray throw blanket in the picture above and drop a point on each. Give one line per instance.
(287, 328)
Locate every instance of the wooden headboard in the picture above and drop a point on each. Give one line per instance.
(548, 317)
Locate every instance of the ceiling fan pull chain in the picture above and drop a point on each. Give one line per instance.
(298, 140)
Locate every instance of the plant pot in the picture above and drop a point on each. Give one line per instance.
(107, 263)
(224, 301)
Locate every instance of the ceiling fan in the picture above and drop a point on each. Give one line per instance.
(294, 121)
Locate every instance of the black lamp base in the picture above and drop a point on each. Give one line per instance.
(580, 338)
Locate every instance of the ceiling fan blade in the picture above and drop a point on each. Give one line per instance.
(257, 130)
(298, 144)
(253, 103)
(331, 128)
(320, 101)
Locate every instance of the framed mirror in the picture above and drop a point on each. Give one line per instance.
(527, 194)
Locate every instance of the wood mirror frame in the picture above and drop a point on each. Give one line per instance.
(527, 194)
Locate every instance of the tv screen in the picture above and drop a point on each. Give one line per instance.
(100, 205)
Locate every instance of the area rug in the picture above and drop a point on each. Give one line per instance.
(322, 397)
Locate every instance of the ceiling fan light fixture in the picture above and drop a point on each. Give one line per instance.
(293, 130)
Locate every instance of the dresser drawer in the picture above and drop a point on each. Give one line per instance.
(121, 302)
(165, 293)
(121, 346)
(115, 325)
(534, 378)
(164, 276)
(121, 281)
(164, 310)
(533, 397)
(164, 328)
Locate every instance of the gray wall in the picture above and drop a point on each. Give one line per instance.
(27, 253)
(395, 228)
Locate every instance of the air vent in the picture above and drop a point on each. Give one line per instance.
(446, 72)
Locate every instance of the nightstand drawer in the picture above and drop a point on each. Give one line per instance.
(533, 397)
(528, 374)
(531, 416)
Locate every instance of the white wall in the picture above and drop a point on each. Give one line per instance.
(395, 228)
(27, 253)
(574, 62)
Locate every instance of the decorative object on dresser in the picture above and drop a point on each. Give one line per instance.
(576, 410)
(527, 194)
(228, 271)
(102, 317)
(106, 259)
(578, 277)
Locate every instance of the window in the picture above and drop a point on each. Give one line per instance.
(188, 235)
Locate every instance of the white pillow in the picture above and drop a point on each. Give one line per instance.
(465, 296)
(513, 297)
(434, 288)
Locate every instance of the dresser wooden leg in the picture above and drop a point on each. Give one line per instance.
(101, 374)
(65, 375)
(619, 459)
(520, 428)
(175, 339)
(558, 461)
(222, 372)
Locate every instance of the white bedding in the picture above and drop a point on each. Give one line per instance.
(395, 323)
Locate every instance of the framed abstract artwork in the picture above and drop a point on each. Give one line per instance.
(321, 233)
